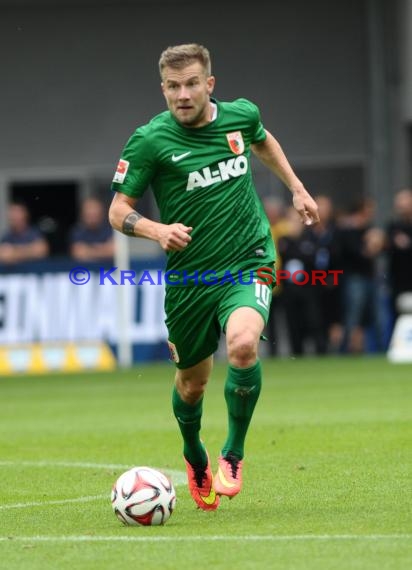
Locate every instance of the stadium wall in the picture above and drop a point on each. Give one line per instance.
(81, 77)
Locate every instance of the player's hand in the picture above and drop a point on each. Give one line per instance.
(306, 206)
(174, 237)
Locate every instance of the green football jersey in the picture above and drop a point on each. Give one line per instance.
(201, 177)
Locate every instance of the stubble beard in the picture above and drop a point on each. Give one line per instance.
(199, 117)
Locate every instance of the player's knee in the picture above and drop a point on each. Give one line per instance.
(191, 389)
(242, 348)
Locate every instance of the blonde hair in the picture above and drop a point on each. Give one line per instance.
(183, 55)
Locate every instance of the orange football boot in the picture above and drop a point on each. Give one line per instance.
(200, 481)
(228, 480)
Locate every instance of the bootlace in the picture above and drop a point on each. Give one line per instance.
(199, 474)
(233, 462)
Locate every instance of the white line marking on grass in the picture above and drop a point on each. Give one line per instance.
(83, 464)
(178, 478)
(212, 538)
(56, 502)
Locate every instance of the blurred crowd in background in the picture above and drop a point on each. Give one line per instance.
(89, 240)
(357, 314)
(351, 314)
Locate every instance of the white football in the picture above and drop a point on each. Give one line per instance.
(143, 496)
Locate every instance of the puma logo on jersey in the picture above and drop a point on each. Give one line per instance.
(232, 168)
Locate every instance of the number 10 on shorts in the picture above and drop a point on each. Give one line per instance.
(263, 295)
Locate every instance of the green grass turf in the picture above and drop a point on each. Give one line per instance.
(327, 478)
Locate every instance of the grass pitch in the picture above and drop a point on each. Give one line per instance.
(327, 477)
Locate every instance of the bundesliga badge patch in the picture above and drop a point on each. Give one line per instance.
(235, 141)
(121, 171)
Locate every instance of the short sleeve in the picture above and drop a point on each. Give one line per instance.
(135, 168)
(257, 131)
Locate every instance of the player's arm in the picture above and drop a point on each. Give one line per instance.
(270, 153)
(124, 218)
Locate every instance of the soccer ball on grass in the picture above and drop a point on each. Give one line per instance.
(143, 496)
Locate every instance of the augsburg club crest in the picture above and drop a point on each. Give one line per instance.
(235, 141)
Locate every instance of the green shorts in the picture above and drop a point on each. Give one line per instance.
(196, 316)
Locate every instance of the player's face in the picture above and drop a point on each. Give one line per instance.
(187, 92)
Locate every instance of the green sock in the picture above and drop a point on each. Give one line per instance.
(189, 419)
(242, 391)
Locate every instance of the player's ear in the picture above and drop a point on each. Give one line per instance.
(163, 87)
(210, 82)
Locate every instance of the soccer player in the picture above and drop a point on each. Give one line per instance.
(196, 158)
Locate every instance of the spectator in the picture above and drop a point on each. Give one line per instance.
(361, 244)
(92, 238)
(275, 211)
(399, 246)
(301, 301)
(23, 241)
(327, 258)
(279, 226)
